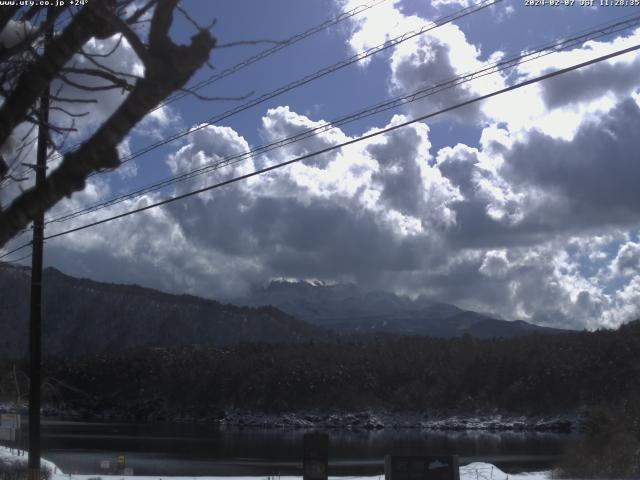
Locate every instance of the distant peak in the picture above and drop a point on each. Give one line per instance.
(295, 282)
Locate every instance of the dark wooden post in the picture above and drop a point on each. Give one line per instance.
(316, 456)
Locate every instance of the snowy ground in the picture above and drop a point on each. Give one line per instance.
(473, 471)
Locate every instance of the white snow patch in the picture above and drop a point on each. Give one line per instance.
(472, 471)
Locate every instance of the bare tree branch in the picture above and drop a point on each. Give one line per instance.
(90, 21)
(58, 145)
(138, 46)
(116, 83)
(102, 73)
(29, 38)
(73, 100)
(67, 112)
(139, 13)
(55, 128)
(167, 68)
(106, 54)
(104, 68)
(191, 20)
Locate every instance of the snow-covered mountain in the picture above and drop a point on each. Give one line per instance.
(351, 309)
(85, 316)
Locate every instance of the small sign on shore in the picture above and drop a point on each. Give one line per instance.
(10, 420)
(7, 434)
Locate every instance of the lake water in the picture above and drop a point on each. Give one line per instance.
(183, 449)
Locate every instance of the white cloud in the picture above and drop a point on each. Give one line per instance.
(460, 3)
(531, 222)
(160, 120)
(495, 264)
(558, 106)
(627, 261)
(436, 56)
(378, 25)
(381, 212)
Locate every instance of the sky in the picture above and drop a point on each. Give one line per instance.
(524, 206)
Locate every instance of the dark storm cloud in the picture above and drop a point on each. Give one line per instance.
(591, 180)
(591, 83)
(474, 226)
(430, 63)
(547, 188)
(292, 237)
(399, 174)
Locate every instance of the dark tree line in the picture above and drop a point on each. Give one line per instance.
(526, 375)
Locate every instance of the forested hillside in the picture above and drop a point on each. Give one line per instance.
(528, 375)
(81, 316)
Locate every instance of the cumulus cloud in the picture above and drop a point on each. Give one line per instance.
(281, 123)
(588, 181)
(614, 78)
(401, 158)
(383, 213)
(558, 106)
(296, 221)
(592, 83)
(309, 218)
(627, 261)
(495, 264)
(434, 58)
(460, 3)
(155, 125)
(530, 222)
(438, 55)
(559, 166)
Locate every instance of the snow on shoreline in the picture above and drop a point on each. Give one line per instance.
(362, 420)
(376, 421)
(472, 471)
(12, 455)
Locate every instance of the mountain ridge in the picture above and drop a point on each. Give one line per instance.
(347, 308)
(85, 316)
(81, 315)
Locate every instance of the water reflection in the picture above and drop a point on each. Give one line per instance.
(184, 449)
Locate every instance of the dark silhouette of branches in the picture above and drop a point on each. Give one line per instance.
(29, 67)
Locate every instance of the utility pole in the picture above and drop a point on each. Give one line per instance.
(35, 320)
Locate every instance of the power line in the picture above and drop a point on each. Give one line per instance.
(464, 12)
(17, 260)
(367, 112)
(259, 56)
(341, 145)
(350, 142)
(316, 75)
(270, 51)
